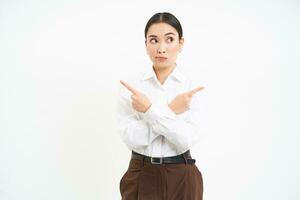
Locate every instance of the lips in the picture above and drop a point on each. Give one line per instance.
(161, 59)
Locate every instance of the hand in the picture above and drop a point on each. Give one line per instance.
(140, 102)
(181, 102)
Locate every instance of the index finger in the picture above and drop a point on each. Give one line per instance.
(197, 89)
(131, 89)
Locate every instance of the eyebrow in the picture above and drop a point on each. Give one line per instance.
(170, 33)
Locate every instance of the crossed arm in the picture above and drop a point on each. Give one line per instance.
(163, 119)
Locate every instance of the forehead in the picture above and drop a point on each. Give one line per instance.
(160, 29)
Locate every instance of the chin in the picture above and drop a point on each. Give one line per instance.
(161, 65)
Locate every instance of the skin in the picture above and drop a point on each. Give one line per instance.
(162, 41)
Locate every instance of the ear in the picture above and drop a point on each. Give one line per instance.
(181, 43)
(146, 46)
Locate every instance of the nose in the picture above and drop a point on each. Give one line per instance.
(161, 49)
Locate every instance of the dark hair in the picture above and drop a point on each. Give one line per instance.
(165, 17)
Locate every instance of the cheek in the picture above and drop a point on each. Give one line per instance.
(173, 48)
(174, 52)
(152, 52)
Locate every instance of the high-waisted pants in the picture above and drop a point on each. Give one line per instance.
(146, 181)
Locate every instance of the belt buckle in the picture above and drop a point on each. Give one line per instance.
(156, 163)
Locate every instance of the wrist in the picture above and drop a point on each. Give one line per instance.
(171, 107)
(148, 107)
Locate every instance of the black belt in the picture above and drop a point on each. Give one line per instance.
(182, 158)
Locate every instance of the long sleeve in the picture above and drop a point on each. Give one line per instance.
(181, 131)
(134, 131)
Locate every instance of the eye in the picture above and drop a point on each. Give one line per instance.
(170, 39)
(151, 40)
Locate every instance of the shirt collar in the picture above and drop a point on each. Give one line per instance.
(176, 73)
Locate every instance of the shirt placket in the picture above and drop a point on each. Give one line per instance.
(162, 99)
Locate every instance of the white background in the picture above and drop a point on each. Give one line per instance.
(60, 65)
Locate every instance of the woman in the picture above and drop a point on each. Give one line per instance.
(158, 121)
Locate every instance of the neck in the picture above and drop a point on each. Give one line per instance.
(163, 73)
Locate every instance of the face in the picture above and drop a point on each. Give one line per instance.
(163, 45)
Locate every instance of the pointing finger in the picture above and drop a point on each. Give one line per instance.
(197, 89)
(131, 89)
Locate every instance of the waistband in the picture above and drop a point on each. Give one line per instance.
(182, 158)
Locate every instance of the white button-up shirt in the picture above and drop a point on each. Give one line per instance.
(159, 132)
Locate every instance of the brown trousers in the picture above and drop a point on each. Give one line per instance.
(146, 181)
